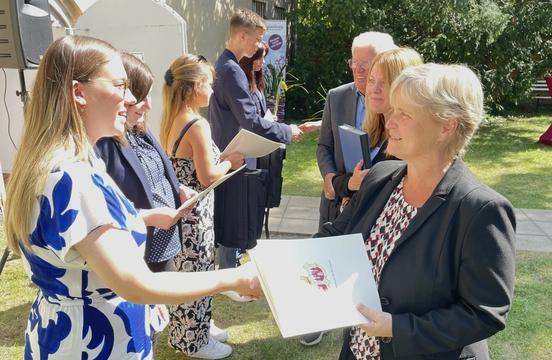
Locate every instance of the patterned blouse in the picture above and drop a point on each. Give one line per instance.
(75, 315)
(165, 243)
(389, 227)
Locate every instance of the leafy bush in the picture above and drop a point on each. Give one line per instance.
(507, 42)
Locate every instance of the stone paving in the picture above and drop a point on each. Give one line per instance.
(298, 215)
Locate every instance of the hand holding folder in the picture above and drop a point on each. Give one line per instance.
(354, 146)
(358, 175)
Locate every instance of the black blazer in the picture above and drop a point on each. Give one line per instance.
(125, 168)
(449, 281)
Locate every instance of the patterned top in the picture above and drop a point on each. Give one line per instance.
(165, 243)
(75, 315)
(389, 227)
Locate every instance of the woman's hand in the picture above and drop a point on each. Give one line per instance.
(246, 282)
(358, 176)
(162, 217)
(379, 323)
(236, 159)
(186, 193)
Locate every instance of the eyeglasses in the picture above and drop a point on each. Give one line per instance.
(362, 64)
(120, 84)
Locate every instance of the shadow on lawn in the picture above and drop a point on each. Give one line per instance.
(253, 334)
(12, 325)
(499, 140)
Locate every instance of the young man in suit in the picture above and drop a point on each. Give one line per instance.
(231, 108)
(344, 105)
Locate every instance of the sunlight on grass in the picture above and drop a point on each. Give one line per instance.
(254, 334)
(503, 154)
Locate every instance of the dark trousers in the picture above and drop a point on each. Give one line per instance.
(167, 265)
(329, 210)
(346, 353)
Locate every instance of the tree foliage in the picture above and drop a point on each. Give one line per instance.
(507, 42)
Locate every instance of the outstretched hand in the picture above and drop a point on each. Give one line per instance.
(310, 126)
(247, 282)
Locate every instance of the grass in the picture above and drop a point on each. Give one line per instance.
(254, 334)
(503, 154)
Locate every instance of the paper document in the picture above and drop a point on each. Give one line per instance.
(204, 193)
(251, 145)
(313, 285)
(268, 116)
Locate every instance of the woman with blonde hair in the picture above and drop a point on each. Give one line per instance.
(440, 242)
(81, 239)
(385, 68)
(186, 136)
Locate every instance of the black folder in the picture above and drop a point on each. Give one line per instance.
(354, 146)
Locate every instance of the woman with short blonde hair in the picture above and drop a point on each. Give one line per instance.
(441, 243)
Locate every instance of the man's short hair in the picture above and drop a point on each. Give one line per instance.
(246, 19)
(379, 41)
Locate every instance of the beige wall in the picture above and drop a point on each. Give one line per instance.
(207, 22)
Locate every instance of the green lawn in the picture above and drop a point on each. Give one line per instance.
(504, 154)
(254, 335)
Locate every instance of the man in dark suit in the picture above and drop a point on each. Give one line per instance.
(232, 108)
(345, 105)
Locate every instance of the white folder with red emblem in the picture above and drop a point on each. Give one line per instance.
(313, 285)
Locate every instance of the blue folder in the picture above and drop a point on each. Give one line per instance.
(354, 146)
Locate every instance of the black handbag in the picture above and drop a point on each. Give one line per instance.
(239, 209)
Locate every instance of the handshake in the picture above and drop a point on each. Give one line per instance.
(297, 131)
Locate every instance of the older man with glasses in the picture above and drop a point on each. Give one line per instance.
(344, 105)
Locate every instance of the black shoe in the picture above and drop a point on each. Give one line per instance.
(311, 339)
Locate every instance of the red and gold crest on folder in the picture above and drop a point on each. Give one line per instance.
(317, 276)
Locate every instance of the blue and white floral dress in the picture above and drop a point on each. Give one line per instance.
(75, 316)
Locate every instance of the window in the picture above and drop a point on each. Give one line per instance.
(279, 13)
(260, 8)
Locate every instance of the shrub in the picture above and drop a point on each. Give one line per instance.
(507, 42)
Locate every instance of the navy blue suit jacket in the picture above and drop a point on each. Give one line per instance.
(125, 168)
(231, 106)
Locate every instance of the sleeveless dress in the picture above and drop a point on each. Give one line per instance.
(75, 315)
(189, 323)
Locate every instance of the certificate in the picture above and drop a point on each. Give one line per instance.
(313, 285)
(251, 145)
(197, 197)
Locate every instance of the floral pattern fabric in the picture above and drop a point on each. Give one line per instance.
(74, 314)
(189, 323)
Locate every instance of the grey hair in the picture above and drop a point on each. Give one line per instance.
(379, 41)
(447, 92)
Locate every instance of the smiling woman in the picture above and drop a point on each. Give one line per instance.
(441, 243)
(81, 240)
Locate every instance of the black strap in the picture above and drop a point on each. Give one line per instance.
(181, 135)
